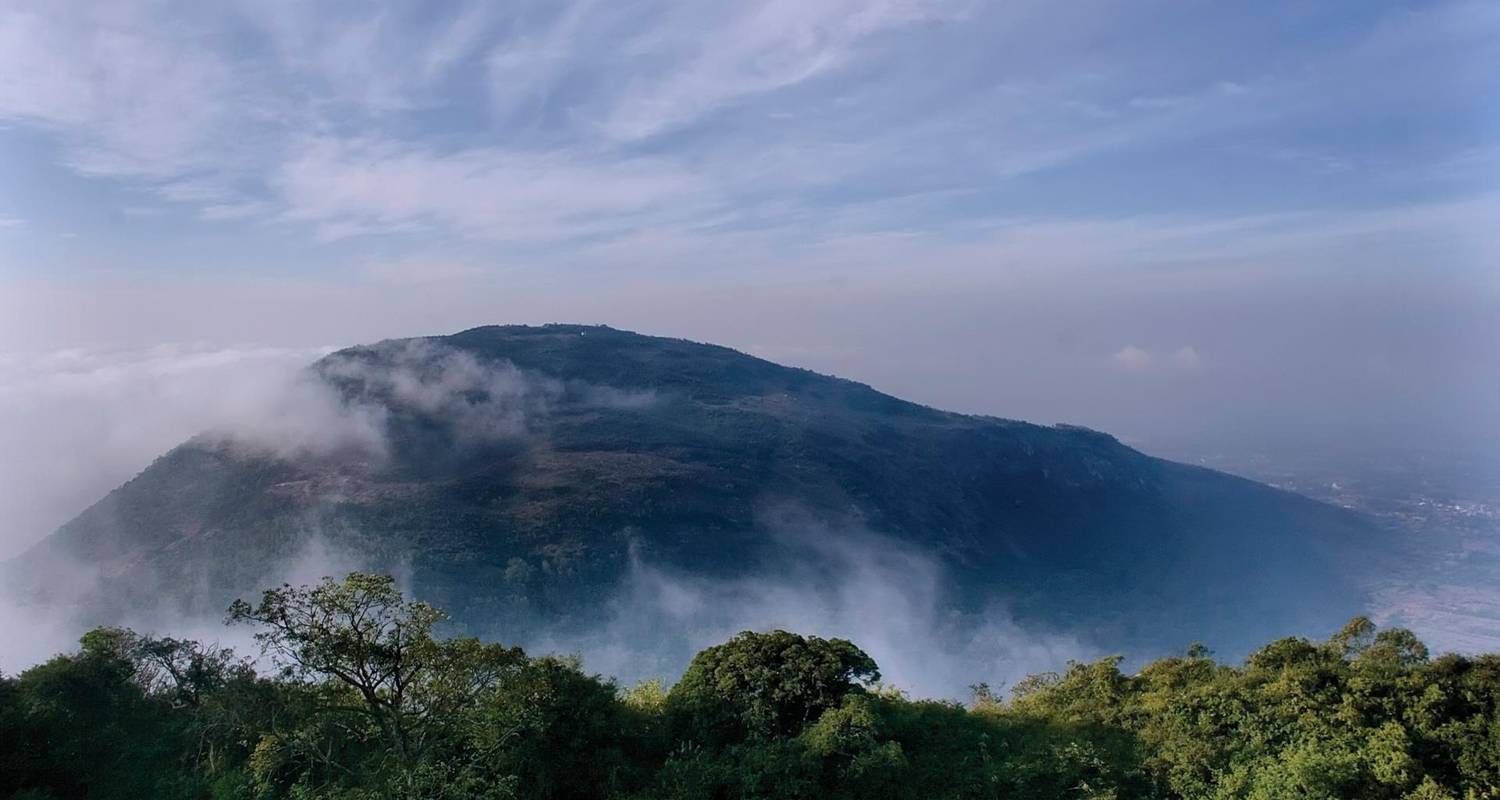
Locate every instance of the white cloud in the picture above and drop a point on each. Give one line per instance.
(482, 401)
(127, 93)
(76, 423)
(483, 193)
(891, 599)
(1133, 358)
(1137, 359)
(715, 54)
(1186, 358)
(525, 122)
(524, 68)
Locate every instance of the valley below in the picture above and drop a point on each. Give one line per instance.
(1442, 579)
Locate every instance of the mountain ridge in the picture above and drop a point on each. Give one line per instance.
(514, 471)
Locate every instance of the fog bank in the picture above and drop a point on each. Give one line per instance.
(889, 598)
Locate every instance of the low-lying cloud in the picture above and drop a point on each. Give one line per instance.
(481, 401)
(75, 424)
(37, 630)
(890, 598)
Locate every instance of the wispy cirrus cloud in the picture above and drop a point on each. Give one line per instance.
(128, 90)
(700, 58)
(486, 193)
(569, 122)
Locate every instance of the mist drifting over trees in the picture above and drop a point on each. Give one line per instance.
(357, 694)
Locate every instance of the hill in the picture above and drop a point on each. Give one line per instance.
(515, 474)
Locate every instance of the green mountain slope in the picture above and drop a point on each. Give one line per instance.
(519, 470)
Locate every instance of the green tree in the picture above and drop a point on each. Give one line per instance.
(87, 729)
(390, 705)
(764, 685)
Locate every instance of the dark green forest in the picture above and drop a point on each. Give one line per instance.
(359, 696)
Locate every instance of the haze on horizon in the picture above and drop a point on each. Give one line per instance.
(1267, 223)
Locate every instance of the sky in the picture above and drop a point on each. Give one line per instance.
(1249, 222)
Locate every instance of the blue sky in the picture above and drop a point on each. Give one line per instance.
(263, 137)
(1139, 215)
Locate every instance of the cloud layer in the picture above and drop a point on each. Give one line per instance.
(887, 597)
(76, 423)
(563, 124)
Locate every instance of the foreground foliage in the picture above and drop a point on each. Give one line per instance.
(367, 703)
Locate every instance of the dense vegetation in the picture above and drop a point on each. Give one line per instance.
(365, 701)
(525, 466)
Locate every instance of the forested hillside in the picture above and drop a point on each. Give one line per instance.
(357, 697)
(513, 473)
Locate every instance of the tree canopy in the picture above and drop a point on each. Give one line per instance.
(765, 685)
(368, 701)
